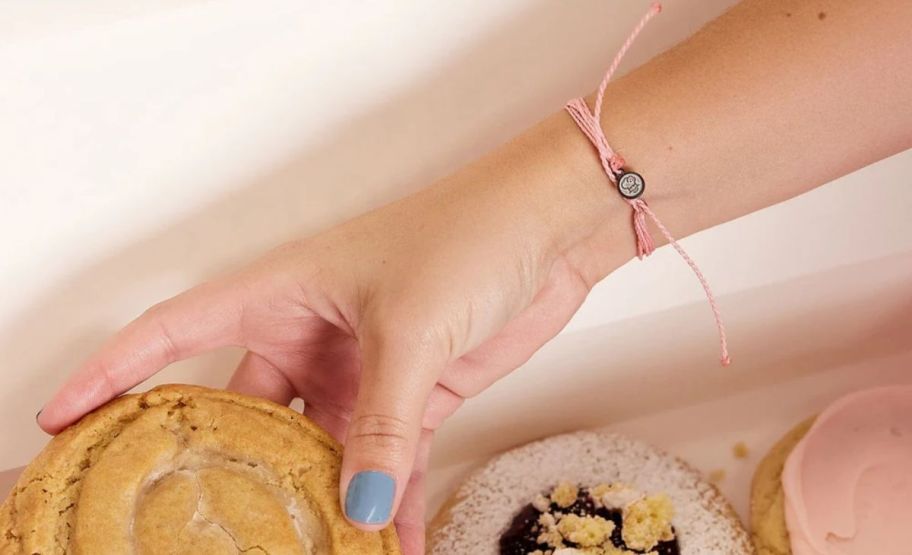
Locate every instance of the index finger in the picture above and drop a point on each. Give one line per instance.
(196, 321)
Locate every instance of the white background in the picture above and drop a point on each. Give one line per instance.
(146, 145)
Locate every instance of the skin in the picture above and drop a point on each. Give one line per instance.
(385, 324)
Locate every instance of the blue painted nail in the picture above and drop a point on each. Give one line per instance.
(370, 497)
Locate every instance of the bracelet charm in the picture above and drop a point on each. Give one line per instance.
(631, 185)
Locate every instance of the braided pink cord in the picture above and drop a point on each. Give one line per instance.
(713, 305)
(653, 11)
(589, 122)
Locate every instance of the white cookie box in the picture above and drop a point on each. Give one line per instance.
(796, 346)
(215, 130)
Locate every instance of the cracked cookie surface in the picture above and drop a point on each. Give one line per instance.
(184, 469)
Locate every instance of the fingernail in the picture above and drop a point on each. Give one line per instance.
(369, 499)
(37, 414)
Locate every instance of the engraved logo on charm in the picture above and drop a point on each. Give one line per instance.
(631, 185)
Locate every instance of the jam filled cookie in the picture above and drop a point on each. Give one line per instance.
(587, 493)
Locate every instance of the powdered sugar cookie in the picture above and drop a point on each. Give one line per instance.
(593, 493)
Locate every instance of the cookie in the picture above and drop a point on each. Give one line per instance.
(636, 477)
(767, 505)
(840, 483)
(184, 469)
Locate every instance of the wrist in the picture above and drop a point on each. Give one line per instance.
(547, 190)
(590, 221)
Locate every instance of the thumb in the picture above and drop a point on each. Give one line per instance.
(396, 379)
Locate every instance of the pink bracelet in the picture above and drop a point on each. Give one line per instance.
(631, 185)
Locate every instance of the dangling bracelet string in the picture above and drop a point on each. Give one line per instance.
(631, 184)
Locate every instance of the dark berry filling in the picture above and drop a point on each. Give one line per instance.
(521, 537)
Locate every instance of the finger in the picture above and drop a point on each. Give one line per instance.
(199, 320)
(441, 403)
(333, 423)
(382, 439)
(411, 515)
(257, 377)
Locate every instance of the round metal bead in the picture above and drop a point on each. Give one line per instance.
(631, 185)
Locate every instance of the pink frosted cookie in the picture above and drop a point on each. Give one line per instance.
(840, 483)
(585, 493)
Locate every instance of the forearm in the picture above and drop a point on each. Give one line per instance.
(770, 100)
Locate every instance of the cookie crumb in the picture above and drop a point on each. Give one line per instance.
(585, 531)
(614, 496)
(716, 476)
(647, 522)
(740, 450)
(610, 549)
(541, 503)
(564, 494)
(549, 535)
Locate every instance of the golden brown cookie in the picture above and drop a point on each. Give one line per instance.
(768, 529)
(485, 507)
(184, 469)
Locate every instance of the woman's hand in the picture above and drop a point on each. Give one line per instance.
(385, 324)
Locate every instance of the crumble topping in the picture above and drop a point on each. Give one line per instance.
(648, 521)
(614, 495)
(550, 535)
(603, 551)
(619, 551)
(586, 531)
(564, 494)
(607, 519)
(541, 503)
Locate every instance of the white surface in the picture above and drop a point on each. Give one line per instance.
(146, 145)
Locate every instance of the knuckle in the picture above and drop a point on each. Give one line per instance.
(154, 312)
(167, 340)
(109, 378)
(387, 435)
(156, 322)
